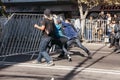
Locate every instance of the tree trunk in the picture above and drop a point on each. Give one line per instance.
(82, 18)
(82, 28)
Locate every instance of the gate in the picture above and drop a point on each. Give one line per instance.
(96, 30)
(19, 35)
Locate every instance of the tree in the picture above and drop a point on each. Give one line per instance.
(89, 4)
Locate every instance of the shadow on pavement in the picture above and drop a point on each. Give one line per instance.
(74, 72)
(15, 60)
(25, 77)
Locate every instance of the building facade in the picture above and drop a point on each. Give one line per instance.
(67, 7)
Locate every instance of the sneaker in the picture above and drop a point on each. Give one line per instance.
(110, 46)
(61, 56)
(36, 62)
(89, 56)
(118, 51)
(115, 50)
(69, 59)
(51, 63)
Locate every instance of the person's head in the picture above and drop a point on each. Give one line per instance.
(47, 12)
(115, 15)
(68, 20)
(113, 21)
(102, 12)
(108, 15)
(91, 17)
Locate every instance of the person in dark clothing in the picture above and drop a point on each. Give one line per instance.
(61, 40)
(47, 28)
(101, 16)
(113, 32)
(117, 37)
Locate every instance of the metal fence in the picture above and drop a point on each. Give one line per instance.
(96, 30)
(19, 35)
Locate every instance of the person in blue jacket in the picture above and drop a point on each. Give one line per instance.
(72, 35)
(61, 40)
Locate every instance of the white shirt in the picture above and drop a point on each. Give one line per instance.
(77, 24)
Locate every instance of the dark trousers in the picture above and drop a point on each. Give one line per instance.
(62, 43)
(77, 41)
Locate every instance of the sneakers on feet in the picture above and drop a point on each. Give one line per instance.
(51, 63)
(36, 62)
(110, 46)
(61, 56)
(115, 50)
(89, 56)
(69, 59)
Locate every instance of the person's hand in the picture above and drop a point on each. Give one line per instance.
(45, 16)
(54, 15)
(35, 25)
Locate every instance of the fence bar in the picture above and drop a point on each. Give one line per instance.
(20, 36)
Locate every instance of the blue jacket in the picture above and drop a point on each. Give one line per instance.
(69, 31)
(59, 33)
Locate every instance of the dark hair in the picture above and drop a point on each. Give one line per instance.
(68, 19)
(112, 19)
(47, 12)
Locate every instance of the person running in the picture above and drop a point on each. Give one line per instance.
(61, 39)
(73, 36)
(48, 33)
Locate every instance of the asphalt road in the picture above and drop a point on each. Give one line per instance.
(104, 66)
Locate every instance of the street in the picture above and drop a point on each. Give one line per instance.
(104, 66)
(30, 27)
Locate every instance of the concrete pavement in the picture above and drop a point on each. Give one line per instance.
(104, 66)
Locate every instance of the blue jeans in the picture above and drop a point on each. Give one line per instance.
(89, 35)
(77, 41)
(43, 49)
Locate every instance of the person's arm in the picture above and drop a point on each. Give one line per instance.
(39, 27)
(50, 18)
